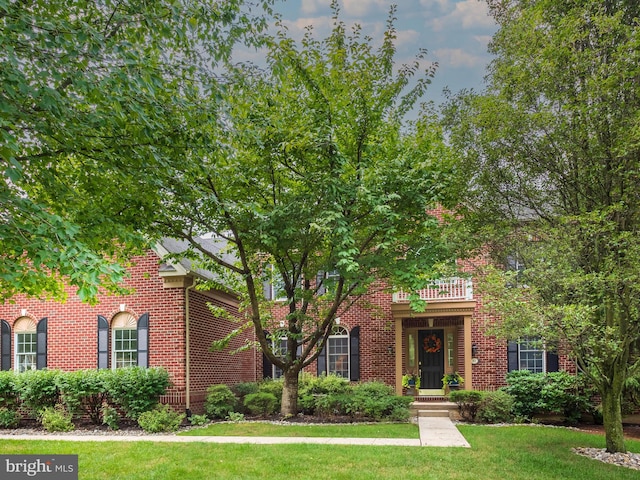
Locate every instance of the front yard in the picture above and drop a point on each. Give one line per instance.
(515, 452)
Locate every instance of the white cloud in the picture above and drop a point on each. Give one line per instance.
(407, 37)
(309, 7)
(456, 57)
(365, 7)
(468, 14)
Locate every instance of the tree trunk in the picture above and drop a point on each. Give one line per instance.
(290, 393)
(612, 418)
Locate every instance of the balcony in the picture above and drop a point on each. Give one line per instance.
(445, 290)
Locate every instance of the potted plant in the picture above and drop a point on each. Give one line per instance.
(411, 382)
(452, 380)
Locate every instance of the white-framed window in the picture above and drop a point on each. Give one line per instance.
(280, 350)
(327, 281)
(338, 352)
(26, 344)
(531, 356)
(124, 352)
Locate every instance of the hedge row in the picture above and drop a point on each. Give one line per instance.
(324, 396)
(132, 391)
(527, 395)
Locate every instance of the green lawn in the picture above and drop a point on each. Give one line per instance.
(264, 429)
(518, 452)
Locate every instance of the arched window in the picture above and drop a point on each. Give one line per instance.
(338, 352)
(26, 344)
(124, 328)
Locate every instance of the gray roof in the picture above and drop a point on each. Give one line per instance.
(215, 245)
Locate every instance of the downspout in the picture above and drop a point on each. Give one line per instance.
(187, 349)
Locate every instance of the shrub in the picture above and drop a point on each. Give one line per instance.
(56, 419)
(555, 392)
(322, 384)
(468, 402)
(261, 403)
(198, 420)
(110, 417)
(235, 417)
(38, 389)
(525, 388)
(136, 389)
(84, 391)
(8, 391)
(243, 389)
(161, 419)
(376, 400)
(220, 401)
(9, 418)
(495, 407)
(273, 387)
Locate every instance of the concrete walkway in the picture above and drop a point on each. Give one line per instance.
(434, 432)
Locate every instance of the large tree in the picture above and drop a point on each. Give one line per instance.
(87, 86)
(553, 153)
(306, 167)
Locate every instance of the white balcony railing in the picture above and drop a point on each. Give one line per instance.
(444, 290)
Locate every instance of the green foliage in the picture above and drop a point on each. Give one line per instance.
(56, 419)
(110, 417)
(377, 401)
(235, 417)
(555, 392)
(198, 420)
(244, 388)
(136, 390)
(468, 401)
(452, 379)
(92, 83)
(323, 129)
(84, 392)
(9, 418)
(495, 407)
(559, 93)
(526, 389)
(273, 387)
(38, 389)
(8, 391)
(261, 403)
(161, 419)
(331, 383)
(220, 401)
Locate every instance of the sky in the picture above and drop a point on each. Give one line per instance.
(454, 32)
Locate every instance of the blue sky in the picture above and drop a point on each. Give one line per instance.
(455, 33)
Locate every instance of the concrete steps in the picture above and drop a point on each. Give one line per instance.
(434, 409)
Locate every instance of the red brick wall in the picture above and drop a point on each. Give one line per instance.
(72, 329)
(207, 367)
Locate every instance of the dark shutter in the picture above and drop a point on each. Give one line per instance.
(267, 366)
(143, 340)
(103, 342)
(552, 362)
(354, 360)
(512, 356)
(322, 361)
(321, 284)
(41, 344)
(5, 347)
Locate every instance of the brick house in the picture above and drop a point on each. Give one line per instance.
(166, 323)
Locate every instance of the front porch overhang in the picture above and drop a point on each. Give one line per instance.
(462, 309)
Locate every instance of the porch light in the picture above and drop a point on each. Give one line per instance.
(390, 349)
(474, 350)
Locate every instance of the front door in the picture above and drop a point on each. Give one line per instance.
(431, 348)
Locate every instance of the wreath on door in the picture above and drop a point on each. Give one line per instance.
(432, 344)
